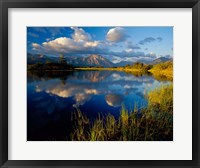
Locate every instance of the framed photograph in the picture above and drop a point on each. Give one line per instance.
(101, 84)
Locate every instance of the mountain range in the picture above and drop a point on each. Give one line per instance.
(92, 60)
(34, 58)
(159, 60)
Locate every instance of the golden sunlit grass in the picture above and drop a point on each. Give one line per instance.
(162, 74)
(161, 71)
(153, 123)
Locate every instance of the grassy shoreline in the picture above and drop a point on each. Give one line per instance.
(108, 69)
(157, 73)
(154, 124)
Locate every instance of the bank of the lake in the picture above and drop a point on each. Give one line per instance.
(152, 123)
(55, 96)
(158, 74)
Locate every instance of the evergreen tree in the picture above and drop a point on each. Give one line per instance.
(62, 59)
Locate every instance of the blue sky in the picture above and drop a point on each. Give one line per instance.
(115, 43)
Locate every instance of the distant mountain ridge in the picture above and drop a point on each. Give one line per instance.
(34, 58)
(123, 63)
(153, 62)
(93, 60)
(160, 60)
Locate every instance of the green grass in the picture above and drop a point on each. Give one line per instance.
(154, 124)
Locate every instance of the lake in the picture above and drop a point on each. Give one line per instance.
(53, 97)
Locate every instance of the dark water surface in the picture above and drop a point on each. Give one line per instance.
(52, 98)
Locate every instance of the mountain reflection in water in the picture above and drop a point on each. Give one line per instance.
(52, 97)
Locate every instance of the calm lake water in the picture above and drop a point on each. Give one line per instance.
(53, 97)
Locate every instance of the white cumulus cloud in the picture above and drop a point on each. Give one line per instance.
(116, 34)
(80, 34)
(80, 43)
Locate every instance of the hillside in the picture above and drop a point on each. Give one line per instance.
(35, 58)
(164, 69)
(93, 60)
(159, 60)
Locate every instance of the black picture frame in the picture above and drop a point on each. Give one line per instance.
(4, 98)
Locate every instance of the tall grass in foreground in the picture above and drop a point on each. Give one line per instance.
(153, 123)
